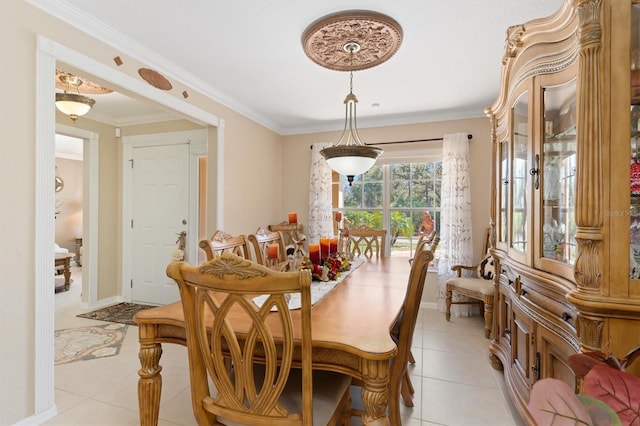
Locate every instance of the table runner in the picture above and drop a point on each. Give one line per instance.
(319, 289)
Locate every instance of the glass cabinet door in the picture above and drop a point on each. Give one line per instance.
(558, 173)
(503, 226)
(635, 144)
(520, 171)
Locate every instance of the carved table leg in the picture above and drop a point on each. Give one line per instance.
(375, 394)
(67, 273)
(150, 382)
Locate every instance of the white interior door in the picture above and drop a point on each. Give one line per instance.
(160, 190)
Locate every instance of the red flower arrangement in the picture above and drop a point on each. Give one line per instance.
(329, 269)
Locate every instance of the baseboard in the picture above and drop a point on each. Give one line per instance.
(103, 302)
(39, 418)
(428, 305)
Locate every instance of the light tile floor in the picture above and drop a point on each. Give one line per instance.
(453, 380)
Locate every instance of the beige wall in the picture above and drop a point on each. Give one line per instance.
(265, 176)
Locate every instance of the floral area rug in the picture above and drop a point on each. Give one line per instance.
(121, 312)
(85, 343)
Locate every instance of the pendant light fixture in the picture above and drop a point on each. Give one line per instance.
(350, 156)
(351, 41)
(73, 104)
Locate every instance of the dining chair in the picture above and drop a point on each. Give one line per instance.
(221, 242)
(262, 386)
(260, 241)
(367, 241)
(291, 232)
(402, 333)
(399, 380)
(424, 239)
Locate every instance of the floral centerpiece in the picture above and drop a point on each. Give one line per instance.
(329, 269)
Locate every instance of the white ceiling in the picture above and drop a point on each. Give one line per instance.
(247, 54)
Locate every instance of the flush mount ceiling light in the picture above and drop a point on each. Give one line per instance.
(72, 104)
(348, 41)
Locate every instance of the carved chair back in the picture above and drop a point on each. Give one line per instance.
(221, 242)
(291, 232)
(255, 389)
(261, 239)
(367, 241)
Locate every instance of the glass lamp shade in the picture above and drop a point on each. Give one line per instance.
(73, 105)
(351, 160)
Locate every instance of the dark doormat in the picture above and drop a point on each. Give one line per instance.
(122, 313)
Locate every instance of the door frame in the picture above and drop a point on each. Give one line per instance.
(90, 212)
(47, 53)
(197, 141)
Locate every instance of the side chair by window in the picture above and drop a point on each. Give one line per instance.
(367, 241)
(260, 241)
(262, 386)
(479, 288)
(221, 242)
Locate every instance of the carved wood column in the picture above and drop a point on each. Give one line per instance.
(150, 382)
(494, 193)
(589, 191)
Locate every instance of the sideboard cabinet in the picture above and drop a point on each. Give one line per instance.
(565, 213)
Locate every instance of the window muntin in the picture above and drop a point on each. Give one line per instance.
(395, 197)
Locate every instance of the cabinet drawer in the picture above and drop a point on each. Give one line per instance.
(554, 308)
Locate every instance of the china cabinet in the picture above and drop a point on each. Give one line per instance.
(565, 213)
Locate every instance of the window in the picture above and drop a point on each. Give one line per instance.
(392, 196)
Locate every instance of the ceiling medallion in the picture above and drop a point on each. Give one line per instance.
(155, 79)
(378, 36)
(88, 87)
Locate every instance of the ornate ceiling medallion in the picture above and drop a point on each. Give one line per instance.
(88, 87)
(378, 36)
(155, 79)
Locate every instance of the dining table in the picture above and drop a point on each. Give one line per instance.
(351, 328)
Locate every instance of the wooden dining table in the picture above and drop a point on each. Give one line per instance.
(350, 334)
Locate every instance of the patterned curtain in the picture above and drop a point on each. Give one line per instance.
(320, 224)
(456, 245)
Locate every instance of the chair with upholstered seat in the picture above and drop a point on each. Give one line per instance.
(221, 242)
(261, 387)
(260, 241)
(479, 288)
(366, 241)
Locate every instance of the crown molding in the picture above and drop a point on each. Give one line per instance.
(71, 15)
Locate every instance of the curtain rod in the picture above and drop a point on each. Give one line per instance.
(469, 136)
